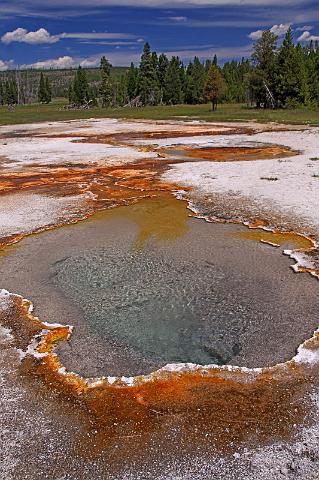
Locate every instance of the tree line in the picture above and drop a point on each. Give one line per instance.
(157, 80)
(284, 76)
(276, 76)
(14, 92)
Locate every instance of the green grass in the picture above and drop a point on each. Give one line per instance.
(225, 113)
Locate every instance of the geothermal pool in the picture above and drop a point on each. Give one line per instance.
(146, 285)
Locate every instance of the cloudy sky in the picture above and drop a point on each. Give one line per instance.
(66, 33)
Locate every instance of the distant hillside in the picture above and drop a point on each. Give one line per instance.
(59, 79)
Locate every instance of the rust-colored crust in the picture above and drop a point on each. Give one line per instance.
(235, 404)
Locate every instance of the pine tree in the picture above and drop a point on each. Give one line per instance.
(199, 80)
(131, 82)
(14, 92)
(81, 87)
(148, 84)
(6, 93)
(163, 63)
(92, 95)
(264, 52)
(42, 95)
(182, 75)
(291, 79)
(11, 92)
(255, 87)
(215, 86)
(172, 92)
(208, 64)
(106, 88)
(265, 61)
(71, 95)
(312, 68)
(189, 87)
(48, 90)
(234, 73)
(155, 61)
(44, 91)
(121, 94)
(1, 93)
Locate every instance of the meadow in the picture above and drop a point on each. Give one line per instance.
(225, 113)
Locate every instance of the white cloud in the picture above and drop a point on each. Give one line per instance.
(256, 35)
(305, 27)
(6, 65)
(33, 38)
(307, 37)
(61, 62)
(90, 63)
(180, 19)
(97, 36)
(74, 62)
(279, 30)
(113, 44)
(42, 36)
(120, 59)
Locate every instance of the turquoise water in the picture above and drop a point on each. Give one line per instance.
(206, 297)
(146, 285)
(165, 308)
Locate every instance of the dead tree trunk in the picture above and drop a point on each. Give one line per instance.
(214, 104)
(134, 103)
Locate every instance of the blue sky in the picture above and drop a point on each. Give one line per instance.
(66, 33)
